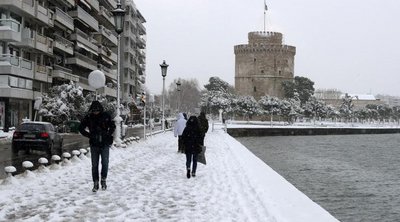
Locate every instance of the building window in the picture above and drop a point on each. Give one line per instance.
(255, 89)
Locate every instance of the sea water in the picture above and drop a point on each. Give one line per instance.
(354, 177)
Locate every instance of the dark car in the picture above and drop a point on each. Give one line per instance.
(37, 136)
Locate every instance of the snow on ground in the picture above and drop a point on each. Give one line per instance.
(147, 182)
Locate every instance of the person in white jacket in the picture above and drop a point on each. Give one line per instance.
(180, 125)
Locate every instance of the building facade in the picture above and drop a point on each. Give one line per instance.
(51, 42)
(262, 65)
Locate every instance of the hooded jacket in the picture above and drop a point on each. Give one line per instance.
(179, 125)
(101, 127)
(191, 136)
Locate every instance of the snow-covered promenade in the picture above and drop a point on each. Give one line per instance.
(147, 182)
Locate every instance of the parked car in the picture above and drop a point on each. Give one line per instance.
(37, 136)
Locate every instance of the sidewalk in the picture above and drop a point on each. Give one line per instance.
(147, 182)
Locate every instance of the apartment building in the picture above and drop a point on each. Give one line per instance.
(51, 42)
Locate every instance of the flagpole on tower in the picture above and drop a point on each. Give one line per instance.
(265, 10)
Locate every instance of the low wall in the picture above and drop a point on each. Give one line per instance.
(244, 132)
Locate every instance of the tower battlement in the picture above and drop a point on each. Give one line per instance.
(254, 48)
(265, 37)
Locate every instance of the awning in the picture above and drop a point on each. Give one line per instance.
(86, 4)
(82, 46)
(107, 60)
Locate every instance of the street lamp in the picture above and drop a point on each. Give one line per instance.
(164, 67)
(178, 88)
(119, 17)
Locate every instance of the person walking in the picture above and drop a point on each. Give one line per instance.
(203, 124)
(101, 128)
(191, 139)
(180, 125)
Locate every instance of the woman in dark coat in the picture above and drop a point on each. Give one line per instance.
(192, 141)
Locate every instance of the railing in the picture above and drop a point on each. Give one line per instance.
(42, 10)
(57, 67)
(26, 64)
(14, 25)
(40, 68)
(64, 16)
(40, 38)
(63, 41)
(106, 13)
(16, 61)
(82, 34)
(85, 58)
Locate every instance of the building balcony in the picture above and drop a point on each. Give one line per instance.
(108, 91)
(44, 44)
(141, 43)
(141, 28)
(26, 6)
(44, 15)
(16, 93)
(82, 61)
(110, 73)
(28, 38)
(106, 17)
(10, 30)
(67, 3)
(86, 40)
(10, 64)
(43, 73)
(85, 18)
(106, 53)
(64, 19)
(63, 44)
(94, 4)
(105, 36)
(63, 73)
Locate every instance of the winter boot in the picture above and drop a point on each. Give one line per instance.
(188, 173)
(95, 186)
(193, 174)
(103, 184)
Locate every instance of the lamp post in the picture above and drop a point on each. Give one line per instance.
(164, 67)
(178, 88)
(119, 15)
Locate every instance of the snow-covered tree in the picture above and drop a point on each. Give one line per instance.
(62, 102)
(247, 107)
(303, 86)
(315, 108)
(346, 108)
(218, 95)
(270, 105)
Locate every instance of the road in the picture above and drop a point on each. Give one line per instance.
(72, 141)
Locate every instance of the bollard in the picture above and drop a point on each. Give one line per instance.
(27, 165)
(66, 161)
(75, 154)
(10, 179)
(55, 162)
(10, 170)
(42, 168)
(83, 154)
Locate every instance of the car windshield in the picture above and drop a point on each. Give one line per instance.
(32, 127)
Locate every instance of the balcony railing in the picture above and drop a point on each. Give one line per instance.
(85, 18)
(13, 25)
(64, 19)
(16, 61)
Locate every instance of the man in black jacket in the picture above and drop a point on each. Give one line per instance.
(101, 128)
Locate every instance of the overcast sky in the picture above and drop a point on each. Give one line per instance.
(350, 45)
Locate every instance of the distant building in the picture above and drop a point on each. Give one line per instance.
(359, 101)
(262, 65)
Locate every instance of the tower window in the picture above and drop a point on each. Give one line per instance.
(255, 59)
(262, 71)
(280, 72)
(255, 89)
